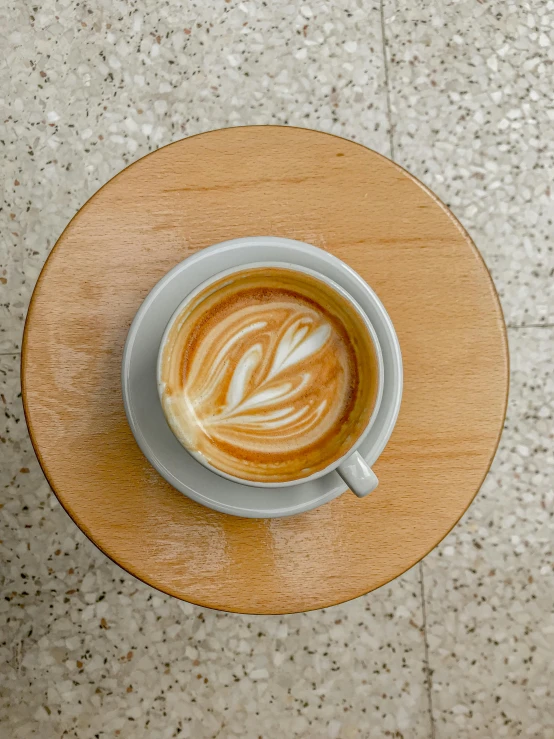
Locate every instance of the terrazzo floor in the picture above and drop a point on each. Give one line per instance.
(462, 95)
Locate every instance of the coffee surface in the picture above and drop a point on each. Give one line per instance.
(270, 374)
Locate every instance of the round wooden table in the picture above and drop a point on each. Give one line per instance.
(325, 191)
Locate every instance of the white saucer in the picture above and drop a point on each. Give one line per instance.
(140, 393)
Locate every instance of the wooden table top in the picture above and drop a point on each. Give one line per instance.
(303, 185)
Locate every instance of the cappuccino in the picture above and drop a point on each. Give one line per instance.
(270, 374)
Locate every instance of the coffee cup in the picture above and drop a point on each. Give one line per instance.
(270, 375)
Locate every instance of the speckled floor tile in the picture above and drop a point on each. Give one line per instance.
(490, 584)
(471, 101)
(88, 651)
(91, 88)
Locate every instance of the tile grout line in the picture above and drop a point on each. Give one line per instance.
(428, 676)
(386, 71)
(421, 582)
(10, 354)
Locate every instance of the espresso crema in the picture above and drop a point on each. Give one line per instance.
(270, 374)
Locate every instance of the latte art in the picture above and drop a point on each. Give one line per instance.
(269, 374)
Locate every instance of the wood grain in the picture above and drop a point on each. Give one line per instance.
(303, 185)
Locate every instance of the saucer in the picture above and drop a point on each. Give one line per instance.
(140, 393)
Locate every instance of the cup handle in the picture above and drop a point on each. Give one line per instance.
(358, 475)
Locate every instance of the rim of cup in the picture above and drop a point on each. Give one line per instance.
(346, 296)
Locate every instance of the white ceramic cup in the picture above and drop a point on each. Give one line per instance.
(352, 467)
